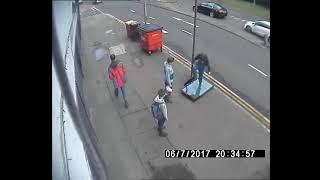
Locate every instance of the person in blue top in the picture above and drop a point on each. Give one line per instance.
(168, 77)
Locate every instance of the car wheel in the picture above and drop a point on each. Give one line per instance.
(248, 28)
(214, 15)
(211, 14)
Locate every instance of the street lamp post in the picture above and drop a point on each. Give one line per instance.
(194, 32)
(145, 11)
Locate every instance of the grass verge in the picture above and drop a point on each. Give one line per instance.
(247, 7)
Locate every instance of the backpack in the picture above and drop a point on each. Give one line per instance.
(156, 111)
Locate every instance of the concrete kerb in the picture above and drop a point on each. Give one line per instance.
(236, 34)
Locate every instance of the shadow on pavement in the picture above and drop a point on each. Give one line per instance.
(175, 171)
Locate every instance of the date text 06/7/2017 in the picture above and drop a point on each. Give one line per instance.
(212, 153)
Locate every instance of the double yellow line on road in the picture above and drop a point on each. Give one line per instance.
(264, 120)
(261, 118)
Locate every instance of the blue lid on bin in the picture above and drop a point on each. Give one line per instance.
(149, 27)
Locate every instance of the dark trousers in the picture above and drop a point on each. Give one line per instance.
(161, 123)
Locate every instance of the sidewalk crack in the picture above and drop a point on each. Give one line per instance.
(130, 113)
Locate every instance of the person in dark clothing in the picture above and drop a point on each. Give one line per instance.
(202, 65)
(194, 74)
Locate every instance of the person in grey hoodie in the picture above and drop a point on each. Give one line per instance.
(163, 108)
(168, 77)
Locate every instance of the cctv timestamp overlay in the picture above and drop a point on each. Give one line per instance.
(213, 153)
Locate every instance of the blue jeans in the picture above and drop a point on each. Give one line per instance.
(200, 78)
(124, 94)
(123, 91)
(200, 83)
(161, 123)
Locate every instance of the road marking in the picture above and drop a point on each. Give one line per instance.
(132, 11)
(109, 15)
(164, 31)
(232, 16)
(189, 23)
(243, 20)
(151, 17)
(178, 19)
(236, 18)
(257, 70)
(265, 122)
(257, 116)
(109, 31)
(186, 32)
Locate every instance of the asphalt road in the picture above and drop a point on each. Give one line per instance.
(187, 5)
(237, 63)
(234, 22)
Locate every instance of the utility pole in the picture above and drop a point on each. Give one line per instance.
(254, 2)
(145, 12)
(194, 32)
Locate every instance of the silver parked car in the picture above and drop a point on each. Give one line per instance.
(260, 28)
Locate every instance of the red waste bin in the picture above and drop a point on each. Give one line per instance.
(151, 37)
(131, 27)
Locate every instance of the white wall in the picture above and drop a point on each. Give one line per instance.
(77, 164)
(58, 164)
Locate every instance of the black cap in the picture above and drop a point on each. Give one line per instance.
(112, 57)
(161, 92)
(170, 59)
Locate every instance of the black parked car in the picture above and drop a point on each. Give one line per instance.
(212, 9)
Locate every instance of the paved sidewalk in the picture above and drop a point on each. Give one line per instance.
(128, 138)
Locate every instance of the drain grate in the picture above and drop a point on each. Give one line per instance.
(89, 12)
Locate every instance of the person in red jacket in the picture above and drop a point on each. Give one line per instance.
(118, 76)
